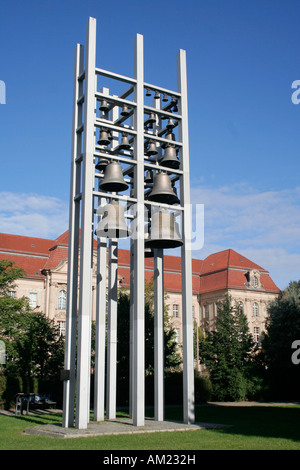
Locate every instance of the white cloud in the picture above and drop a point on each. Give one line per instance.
(264, 226)
(32, 215)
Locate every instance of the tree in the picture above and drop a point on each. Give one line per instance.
(282, 329)
(226, 353)
(33, 346)
(172, 357)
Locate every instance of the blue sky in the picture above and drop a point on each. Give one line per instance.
(242, 57)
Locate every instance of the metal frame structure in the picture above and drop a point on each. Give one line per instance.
(86, 209)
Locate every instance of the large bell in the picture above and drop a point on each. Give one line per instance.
(164, 231)
(162, 190)
(112, 224)
(170, 158)
(113, 178)
(104, 137)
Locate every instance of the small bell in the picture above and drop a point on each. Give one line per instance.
(169, 136)
(165, 97)
(152, 149)
(125, 111)
(104, 106)
(157, 95)
(124, 145)
(151, 119)
(113, 178)
(149, 176)
(148, 92)
(171, 124)
(104, 137)
(102, 164)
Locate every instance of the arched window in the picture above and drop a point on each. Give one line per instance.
(255, 309)
(240, 307)
(62, 300)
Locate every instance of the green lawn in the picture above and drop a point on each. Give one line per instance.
(252, 428)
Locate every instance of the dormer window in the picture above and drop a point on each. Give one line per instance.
(255, 281)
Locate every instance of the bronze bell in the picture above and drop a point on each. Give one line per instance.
(125, 111)
(151, 119)
(165, 97)
(113, 178)
(170, 158)
(157, 95)
(102, 164)
(103, 106)
(171, 124)
(163, 190)
(104, 137)
(164, 231)
(148, 92)
(124, 145)
(149, 176)
(152, 149)
(113, 224)
(169, 136)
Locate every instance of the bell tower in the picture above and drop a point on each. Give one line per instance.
(129, 179)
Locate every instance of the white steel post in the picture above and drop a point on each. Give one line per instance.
(186, 256)
(158, 335)
(139, 287)
(85, 288)
(73, 245)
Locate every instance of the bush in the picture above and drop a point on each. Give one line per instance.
(203, 388)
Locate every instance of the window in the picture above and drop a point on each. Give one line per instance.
(62, 300)
(32, 299)
(175, 310)
(256, 334)
(176, 336)
(12, 293)
(206, 311)
(255, 281)
(255, 309)
(62, 328)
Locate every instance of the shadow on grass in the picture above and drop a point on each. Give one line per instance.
(260, 421)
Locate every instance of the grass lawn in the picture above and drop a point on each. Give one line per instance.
(252, 428)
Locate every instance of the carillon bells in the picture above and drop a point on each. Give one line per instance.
(124, 145)
(125, 111)
(157, 95)
(103, 106)
(164, 231)
(104, 137)
(112, 224)
(171, 124)
(102, 164)
(163, 190)
(152, 149)
(149, 176)
(113, 178)
(169, 136)
(170, 158)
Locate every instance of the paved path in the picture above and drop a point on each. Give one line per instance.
(119, 426)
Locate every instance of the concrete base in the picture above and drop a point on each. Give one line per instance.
(116, 427)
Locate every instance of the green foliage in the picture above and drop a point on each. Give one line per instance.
(282, 329)
(33, 347)
(227, 353)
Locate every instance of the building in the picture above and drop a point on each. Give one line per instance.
(45, 263)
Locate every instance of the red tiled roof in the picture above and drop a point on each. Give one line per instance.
(223, 270)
